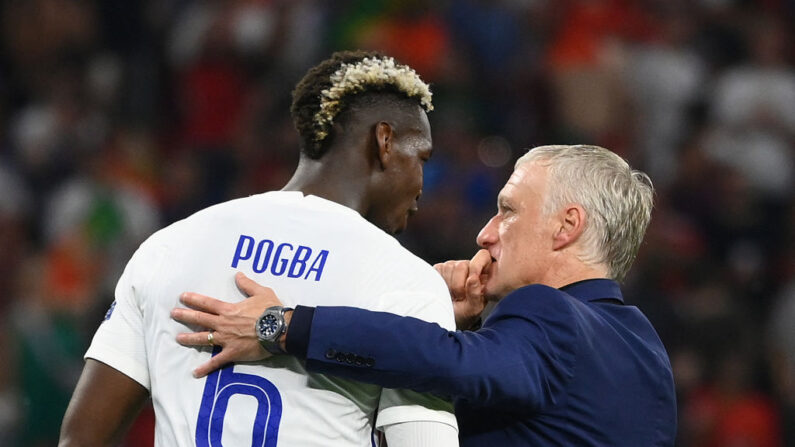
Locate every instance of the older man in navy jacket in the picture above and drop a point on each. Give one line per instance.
(561, 360)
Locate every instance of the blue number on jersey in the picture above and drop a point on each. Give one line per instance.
(225, 383)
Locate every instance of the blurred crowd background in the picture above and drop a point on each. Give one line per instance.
(119, 117)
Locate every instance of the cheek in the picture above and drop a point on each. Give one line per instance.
(508, 231)
(518, 245)
(416, 175)
(412, 182)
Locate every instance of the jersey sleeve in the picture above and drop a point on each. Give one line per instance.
(421, 434)
(400, 406)
(120, 341)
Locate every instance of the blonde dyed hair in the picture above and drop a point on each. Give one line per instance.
(367, 73)
(331, 87)
(617, 200)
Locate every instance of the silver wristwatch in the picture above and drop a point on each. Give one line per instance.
(270, 326)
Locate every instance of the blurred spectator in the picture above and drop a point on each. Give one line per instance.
(101, 213)
(665, 77)
(410, 31)
(782, 348)
(754, 112)
(46, 332)
(15, 211)
(729, 412)
(586, 59)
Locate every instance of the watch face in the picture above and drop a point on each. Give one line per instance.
(268, 326)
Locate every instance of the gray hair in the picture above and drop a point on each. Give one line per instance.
(617, 200)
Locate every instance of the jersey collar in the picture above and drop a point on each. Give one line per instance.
(594, 289)
(309, 198)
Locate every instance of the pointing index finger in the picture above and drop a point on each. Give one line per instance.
(248, 285)
(479, 263)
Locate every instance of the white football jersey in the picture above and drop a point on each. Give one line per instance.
(310, 251)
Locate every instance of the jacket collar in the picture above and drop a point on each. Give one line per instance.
(594, 289)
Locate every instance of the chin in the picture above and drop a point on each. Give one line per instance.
(397, 228)
(489, 294)
(401, 227)
(493, 296)
(495, 292)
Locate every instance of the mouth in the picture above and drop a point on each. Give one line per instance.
(489, 271)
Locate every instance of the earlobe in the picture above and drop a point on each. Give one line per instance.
(383, 143)
(572, 224)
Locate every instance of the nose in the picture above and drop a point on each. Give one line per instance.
(488, 236)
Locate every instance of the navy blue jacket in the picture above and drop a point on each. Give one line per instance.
(549, 367)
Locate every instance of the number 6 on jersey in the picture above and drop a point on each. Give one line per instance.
(222, 385)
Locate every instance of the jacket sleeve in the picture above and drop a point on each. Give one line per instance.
(522, 356)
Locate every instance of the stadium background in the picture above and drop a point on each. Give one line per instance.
(118, 117)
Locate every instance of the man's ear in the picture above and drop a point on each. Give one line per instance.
(571, 224)
(383, 142)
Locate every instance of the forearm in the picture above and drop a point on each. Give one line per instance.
(104, 404)
(401, 352)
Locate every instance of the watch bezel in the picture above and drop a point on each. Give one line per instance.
(269, 338)
(268, 325)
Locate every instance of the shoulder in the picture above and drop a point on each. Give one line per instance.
(266, 208)
(403, 283)
(541, 314)
(412, 287)
(537, 309)
(536, 299)
(402, 268)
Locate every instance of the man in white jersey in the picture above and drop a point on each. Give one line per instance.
(365, 136)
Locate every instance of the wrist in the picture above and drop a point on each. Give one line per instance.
(288, 316)
(270, 328)
(468, 324)
(297, 340)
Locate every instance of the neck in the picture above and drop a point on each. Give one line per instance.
(332, 179)
(570, 270)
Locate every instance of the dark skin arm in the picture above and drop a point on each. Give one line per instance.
(103, 406)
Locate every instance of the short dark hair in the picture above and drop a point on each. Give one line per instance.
(318, 100)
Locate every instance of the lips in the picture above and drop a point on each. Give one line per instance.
(488, 272)
(493, 251)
